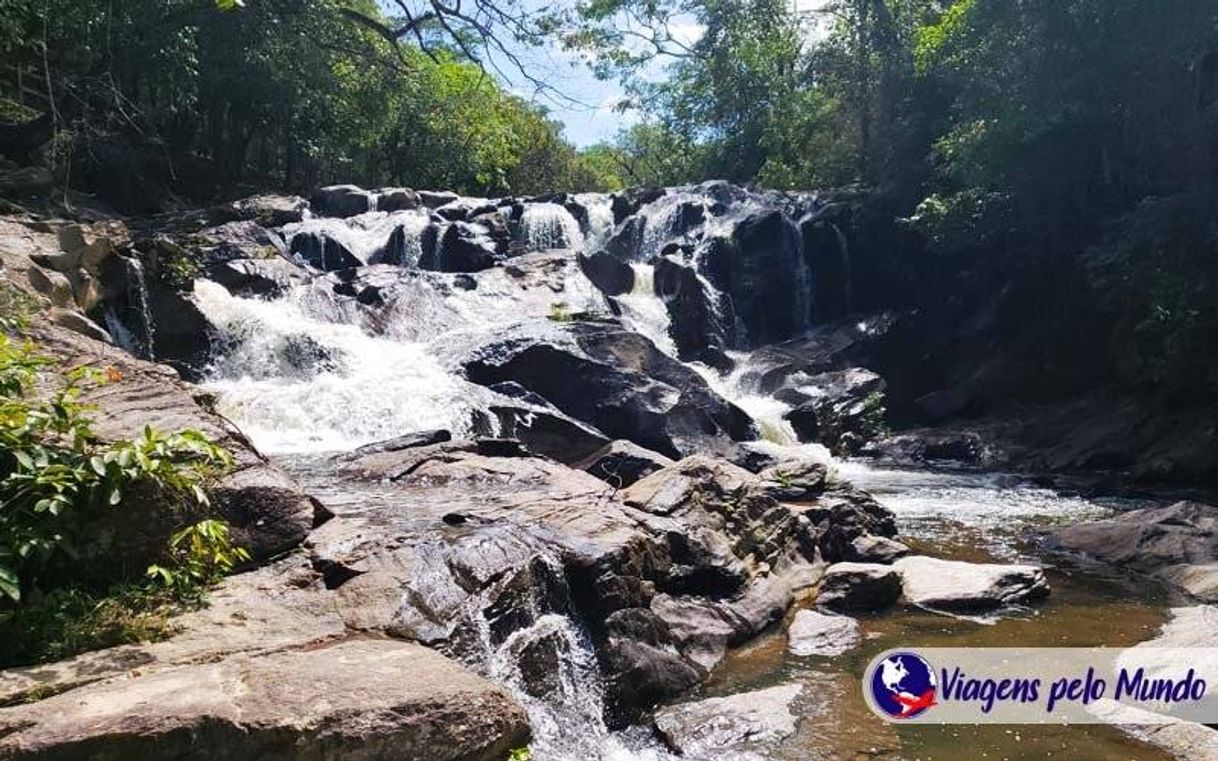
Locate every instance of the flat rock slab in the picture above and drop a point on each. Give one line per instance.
(814, 633)
(859, 587)
(956, 587)
(355, 700)
(736, 726)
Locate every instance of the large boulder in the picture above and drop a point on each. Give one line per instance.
(268, 209)
(465, 247)
(958, 587)
(272, 276)
(1177, 543)
(859, 587)
(616, 381)
(351, 700)
(233, 240)
(832, 406)
(610, 275)
(340, 201)
(737, 726)
(694, 322)
(771, 308)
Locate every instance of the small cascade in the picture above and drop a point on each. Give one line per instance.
(674, 218)
(371, 237)
(600, 218)
(646, 313)
(130, 323)
(547, 226)
(297, 383)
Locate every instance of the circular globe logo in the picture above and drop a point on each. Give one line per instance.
(902, 685)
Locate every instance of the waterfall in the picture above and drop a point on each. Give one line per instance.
(600, 218)
(140, 340)
(546, 226)
(369, 237)
(297, 383)
(646, 313)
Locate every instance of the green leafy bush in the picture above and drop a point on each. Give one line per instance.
(55, 475)
(200, 555)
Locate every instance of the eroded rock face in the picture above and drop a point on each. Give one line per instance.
(308, 704)
(616, 381)
(1177, 543)
(859, 587)
(621, 463)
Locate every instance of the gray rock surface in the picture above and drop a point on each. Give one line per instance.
(958, 587)
(730, 727)
(859, 587)
(819, 634)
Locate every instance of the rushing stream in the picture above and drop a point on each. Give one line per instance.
(302, 379)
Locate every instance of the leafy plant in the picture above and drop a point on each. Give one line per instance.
(55, 475)
(559, 312)
(520, 754)
(200, 555)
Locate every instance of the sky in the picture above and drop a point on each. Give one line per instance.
(581, 102)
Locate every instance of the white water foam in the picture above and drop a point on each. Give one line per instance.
(646, 313)
(373, 389)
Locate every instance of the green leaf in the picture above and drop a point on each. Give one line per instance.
(116, 496)
(98, 464)
(9, 584)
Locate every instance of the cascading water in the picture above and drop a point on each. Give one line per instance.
(646, 313)
(297, 383)
(600, 218)
(369, 237)
(546, 226)
(140, 340)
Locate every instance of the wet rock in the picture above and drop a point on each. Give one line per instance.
(622, 463)
(406, 441)
(434, 199)
(827, 253)
(610, 275)
(818, 634)
(875, 549)
(351, 700)
(859, 587)
(930, 446)
(340, 201)
(1178, 543)
(840, 403)
(732, 726)
(466, 248)
(235, 240)
(321, 251)
(641, 656)
(548, 432)
(958, 587)
(629, 201)
(396, 199)
(258, 277)
(693, 326)
(615, 381)
(771, 308)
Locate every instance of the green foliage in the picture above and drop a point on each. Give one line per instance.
(73, 619)
(55, 475)
(17, 308)
(200, 555)
(560, 312)
(520, 754)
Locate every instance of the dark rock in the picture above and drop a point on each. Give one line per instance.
(26, 182)
(1177, 543)
(842, 515)
(466, 248)
(616, 381)
(406, 441)
(628, 202)
(693, 325)
(236, 240)
(844, 402)
(548, 432)
(322, 251)
(859, 587)
(827, 253)
(434, 199)
(610, 275)
(622, 463)
(396, 199)
(626, 242)
(771, 308)
(258, 277)
(875, 549)
(795, 481)
(340, 201)
(268, 210)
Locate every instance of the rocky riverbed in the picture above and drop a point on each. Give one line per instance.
(575, 472)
